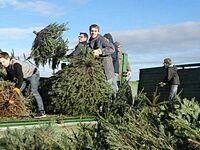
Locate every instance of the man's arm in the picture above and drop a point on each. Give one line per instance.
(9, 76)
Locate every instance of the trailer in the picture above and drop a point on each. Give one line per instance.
(32, 123)
(189, 75)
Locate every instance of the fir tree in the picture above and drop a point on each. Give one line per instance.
(43, 138)
(11, 104)
(49, 46)
(186, 124)
(81, 87)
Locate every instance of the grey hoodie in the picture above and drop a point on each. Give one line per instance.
(107, 49)
(20, 70)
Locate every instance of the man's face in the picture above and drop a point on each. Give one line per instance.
(5, 62)
(94, 32)
(165, 64)
(119, 49)
(82, 38)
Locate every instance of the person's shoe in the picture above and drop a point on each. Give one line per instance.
(40, 115)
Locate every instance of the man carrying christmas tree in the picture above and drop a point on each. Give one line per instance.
(23, 71)
(103, 49)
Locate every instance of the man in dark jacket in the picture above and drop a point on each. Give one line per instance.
(23, 70)
(80, 49)
(103, 49)
(83, 37)
(171, 78)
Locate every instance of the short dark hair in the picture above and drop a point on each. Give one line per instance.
(168, 61)
(4, 55)
(94, 26)
(85, 34)
(109, 37)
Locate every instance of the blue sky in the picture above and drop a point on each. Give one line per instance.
(149, 30)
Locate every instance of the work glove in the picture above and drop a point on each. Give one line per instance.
(96, 52)
(128, 75)
(162, 84)
(17, 90)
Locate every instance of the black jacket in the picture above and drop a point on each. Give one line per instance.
(80, 49)
(171, 76)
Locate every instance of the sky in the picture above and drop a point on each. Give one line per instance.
(149, 30)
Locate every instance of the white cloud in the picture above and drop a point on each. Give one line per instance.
(80, 2)
(44, 6)
(148, 47)
(166, 38)
(38, 6)
(18, 39)
(17, 33)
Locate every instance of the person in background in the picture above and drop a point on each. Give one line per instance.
(128, 93)
(118, 48)
(80, 49)
(103, 49)
(115, 60)
(171, 78)
(23, 71)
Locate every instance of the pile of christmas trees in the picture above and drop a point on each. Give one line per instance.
(139, 126)
(11, 104)
(80, 88)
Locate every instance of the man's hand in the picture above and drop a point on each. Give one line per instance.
(162, 84)
(96, 52)
(17, 90)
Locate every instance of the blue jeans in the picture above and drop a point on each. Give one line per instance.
(172, 94)
(173, 91)
(34, 81)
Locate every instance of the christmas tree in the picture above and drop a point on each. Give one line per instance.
(11, 104)
(80, 88)
(49, 46)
